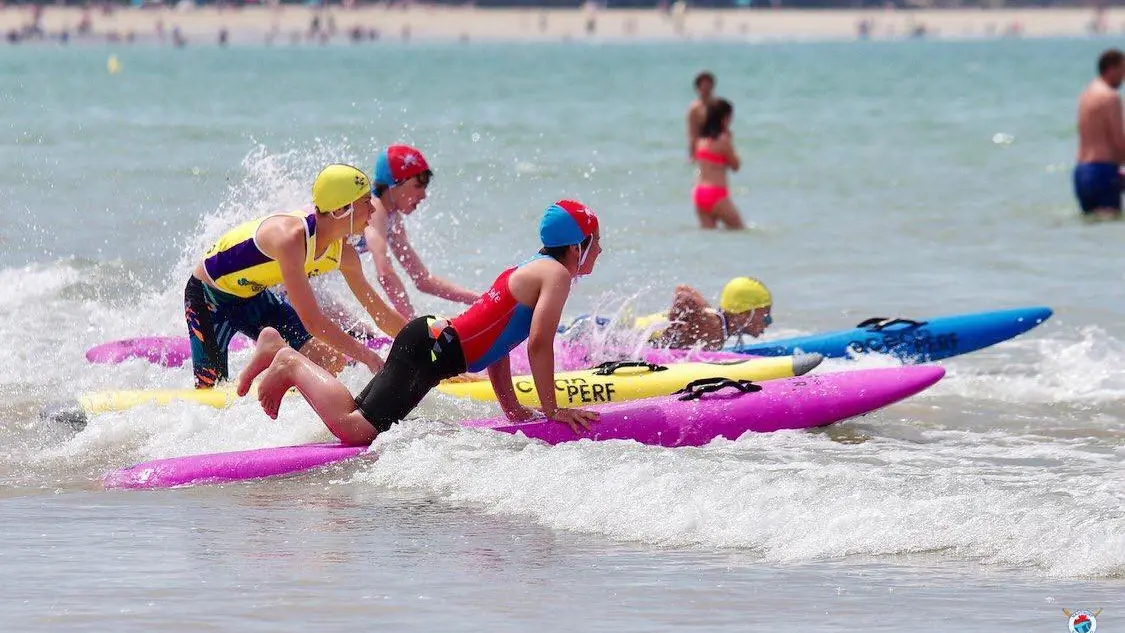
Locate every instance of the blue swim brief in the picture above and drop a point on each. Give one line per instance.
(1097, 186)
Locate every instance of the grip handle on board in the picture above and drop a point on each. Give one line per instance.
(607, 368)
(877, 324)
(696, 388)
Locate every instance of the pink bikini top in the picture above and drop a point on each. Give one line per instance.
(710, 157)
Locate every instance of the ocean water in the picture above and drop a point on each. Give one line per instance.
(899, 178)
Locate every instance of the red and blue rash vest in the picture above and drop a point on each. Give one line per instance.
(494, 325)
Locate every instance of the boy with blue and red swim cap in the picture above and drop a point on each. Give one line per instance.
(524, 303)
(401, 175)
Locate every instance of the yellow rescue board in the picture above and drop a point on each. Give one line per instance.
(97, 402)
(105, 401)
(630, 381)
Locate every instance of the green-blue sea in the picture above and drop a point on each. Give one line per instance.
(909, 179)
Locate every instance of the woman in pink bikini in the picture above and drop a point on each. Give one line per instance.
(714, 153)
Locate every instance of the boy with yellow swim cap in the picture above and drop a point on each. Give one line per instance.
(229, 291)
(744, 308)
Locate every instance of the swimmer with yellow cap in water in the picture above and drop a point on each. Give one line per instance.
(744, 309)
(230, 288)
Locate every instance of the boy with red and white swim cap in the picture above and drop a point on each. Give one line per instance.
(524, 303)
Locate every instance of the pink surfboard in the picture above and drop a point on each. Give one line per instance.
(709, 410)
(174, 351)
(168, 351)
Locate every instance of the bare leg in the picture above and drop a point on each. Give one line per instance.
(726, 211)
(324, 355)
(706, 220)
(269, 344)
(1106, 214)
(325, 394)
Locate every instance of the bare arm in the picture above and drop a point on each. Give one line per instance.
(421, 276)
(500, 375)
(553, 291)
(733, 160)
(385, 317)
(686, 303)
(376, 235)
(1116, 127)
(688, 320)
(541, 342)
(692, 132)
(285, 242)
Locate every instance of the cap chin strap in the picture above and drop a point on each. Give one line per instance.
(582, 254)
(741, 331)
(349, 214)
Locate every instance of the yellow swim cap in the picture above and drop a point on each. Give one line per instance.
(337, 186)
(743, 294)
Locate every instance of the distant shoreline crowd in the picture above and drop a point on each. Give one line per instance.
(222, 24)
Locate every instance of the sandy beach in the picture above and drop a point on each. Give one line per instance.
(297, 24)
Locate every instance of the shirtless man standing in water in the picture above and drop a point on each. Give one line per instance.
(697, 111)
(1101, 140)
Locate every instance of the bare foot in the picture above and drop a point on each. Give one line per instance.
(276, 380)
(269, 343)
(466, 377)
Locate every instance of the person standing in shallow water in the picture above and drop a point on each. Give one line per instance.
(697, 111)
(1101, 140)
(714, 155)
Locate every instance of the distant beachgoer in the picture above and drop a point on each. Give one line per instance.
(1101, 140)
(679, 16)
(714, 155)
(697, 111)
(1097, 24)
(863, 28)
(85, 24)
